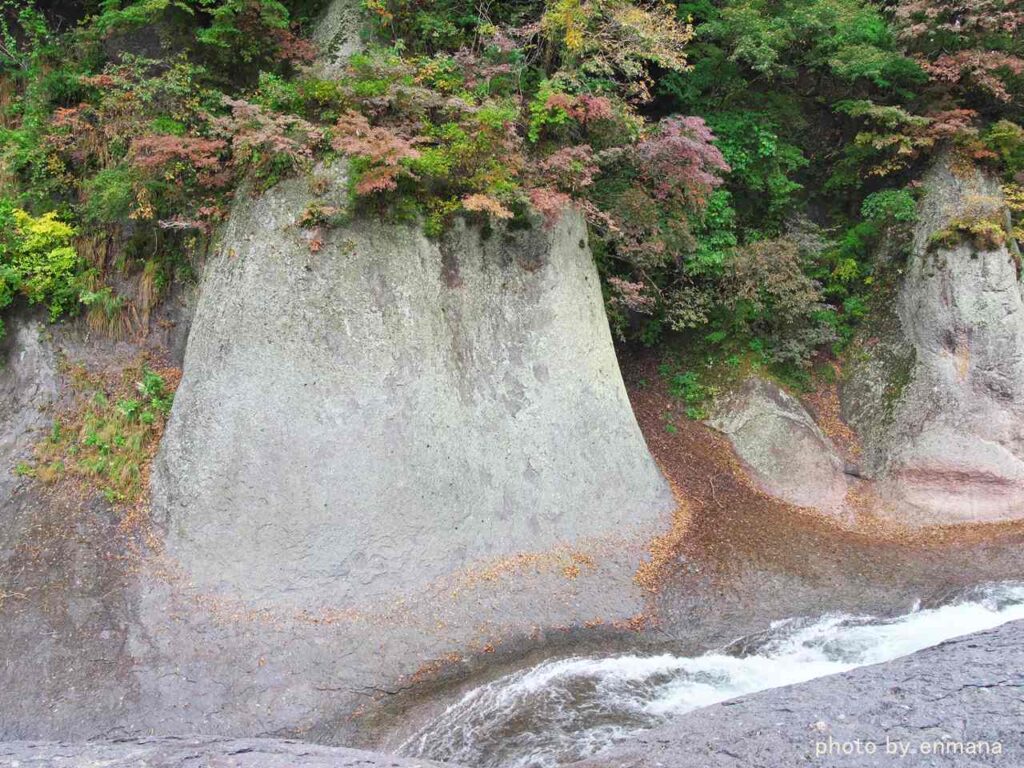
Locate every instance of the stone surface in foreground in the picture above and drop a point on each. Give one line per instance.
(958, 704)
(785, 452)
(175, 753)
(945, 706)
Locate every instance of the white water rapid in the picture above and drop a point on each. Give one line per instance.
(569, 709)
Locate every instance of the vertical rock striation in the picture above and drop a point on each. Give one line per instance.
(28, 383)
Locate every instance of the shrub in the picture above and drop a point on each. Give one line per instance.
(761, 166)
(267, 144)
(38, 260)
(1006, 140)
(774, 300)
(889, 206)
(384, 155)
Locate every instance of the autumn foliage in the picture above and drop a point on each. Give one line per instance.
(730, 157)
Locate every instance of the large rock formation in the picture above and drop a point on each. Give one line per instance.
(354, 424)
(364, 419)
(937, 392)
(944, 706)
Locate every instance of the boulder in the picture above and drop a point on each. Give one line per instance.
(936, 388)
(782, 448)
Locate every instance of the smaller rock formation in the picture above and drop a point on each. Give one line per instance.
(784, 451)
(936, 388)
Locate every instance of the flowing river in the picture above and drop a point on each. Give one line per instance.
(569, 709)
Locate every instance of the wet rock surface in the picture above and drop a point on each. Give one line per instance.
(945, 706)
(958, 704)
(187, 752)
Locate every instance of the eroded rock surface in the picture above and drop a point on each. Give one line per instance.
(389, 459)
(938, 391)
(783, 449)
(959, 704)
(962, 695)
(362, 417)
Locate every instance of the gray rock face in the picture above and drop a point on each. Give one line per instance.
(28, 383)
(939, 395)
(188, 752)
(353, 422)
(945, 706)
(337, 35)
(359, 421)
(784, 450)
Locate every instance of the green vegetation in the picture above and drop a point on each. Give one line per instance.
(120, 139)
(110, 435)
(37, 260)
(740, 162)
(686, 386)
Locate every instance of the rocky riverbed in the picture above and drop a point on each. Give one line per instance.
(958, 704)
(100, 641)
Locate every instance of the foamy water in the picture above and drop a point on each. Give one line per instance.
(570, 709)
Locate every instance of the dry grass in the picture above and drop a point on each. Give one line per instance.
(107, 438)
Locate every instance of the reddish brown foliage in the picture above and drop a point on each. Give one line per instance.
(259, 136)
(570, 168)
(291, 47)
(916, 18)
(678, 160)
(384, 149)
(583, 109)
(631, 295)
(983, 68)
(486, 204)
(155, 153)
(549, 203)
